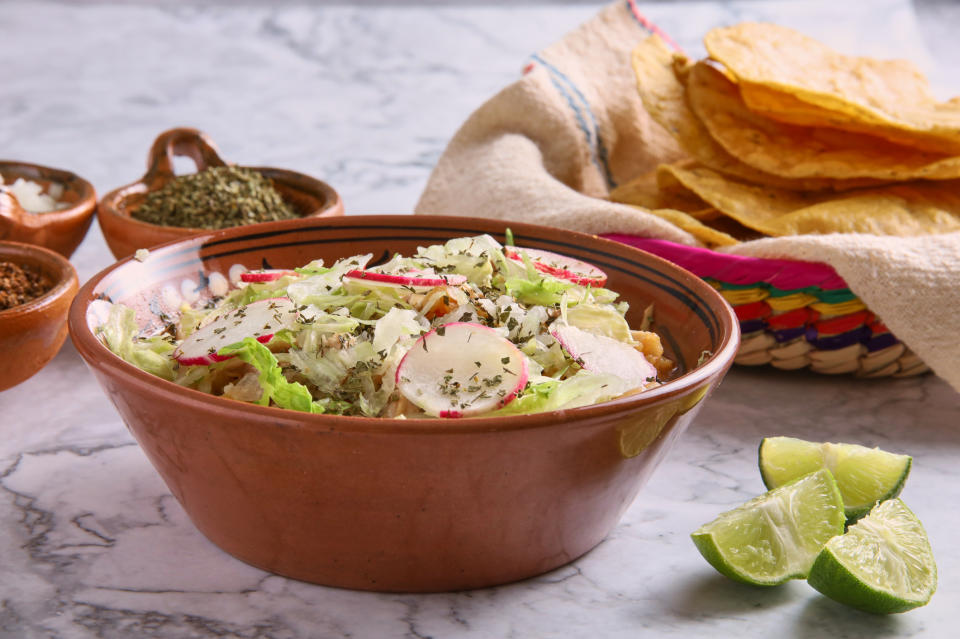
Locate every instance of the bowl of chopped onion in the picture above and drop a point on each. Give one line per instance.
(44, 206)
(403, 403)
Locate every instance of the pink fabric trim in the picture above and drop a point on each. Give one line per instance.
(785, 275)
(651, 27)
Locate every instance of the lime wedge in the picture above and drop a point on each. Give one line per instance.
(883, 563)
(776, 536)
(864, 475)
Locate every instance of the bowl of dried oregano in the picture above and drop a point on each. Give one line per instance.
(163, 206)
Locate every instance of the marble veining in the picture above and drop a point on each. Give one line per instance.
(93, 545)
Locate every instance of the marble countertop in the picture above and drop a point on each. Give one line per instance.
(92, 544)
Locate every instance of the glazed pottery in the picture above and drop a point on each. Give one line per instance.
(61, 230)
(124, 235)
(32, 333)
(392, 504)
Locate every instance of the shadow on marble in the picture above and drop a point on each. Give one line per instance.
(821, 616)
(710, 594)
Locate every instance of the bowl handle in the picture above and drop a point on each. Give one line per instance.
(182, 141)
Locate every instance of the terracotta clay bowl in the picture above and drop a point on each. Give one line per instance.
(61, 230)
(308, 196)
(402, 505)
(31, 334)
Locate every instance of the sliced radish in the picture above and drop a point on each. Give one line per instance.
(602, 354)
(265, 275)
(462, 369)
(561, 266)
(260, 320)
(425, 279)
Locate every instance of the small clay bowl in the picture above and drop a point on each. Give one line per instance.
(390, 504)
(31, 334)
(61, 230)
(308, 196)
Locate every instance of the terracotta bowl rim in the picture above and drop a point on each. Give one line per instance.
(84, 207)
(89, 347)
(108, 203)
(68, 275)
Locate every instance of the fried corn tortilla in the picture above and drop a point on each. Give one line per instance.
(903, 209)
(818, 86)
(678, 205)
(642, 191)
(710, 236)
(645, 192)
(784, 107)
(803, 152)
(663, 96)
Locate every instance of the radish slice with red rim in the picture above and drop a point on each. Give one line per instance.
(260, 320)
(602, 354)
(418, 279)
(560, 266)
(265, 275)
(462, 369)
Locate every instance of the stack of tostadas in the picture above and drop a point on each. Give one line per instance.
(786, 136)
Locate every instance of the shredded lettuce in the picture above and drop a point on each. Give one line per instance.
(600, 296)
(315, 267)
(285, 394)
(255, 291)
(325, 370)
(397, 324)
(120, 333)
(547, 353)
(342, 354)
(335, 323)
(545, 291)
(191, 319)
(319, 287)
(582, 389)
(475, 257)
(601, 320)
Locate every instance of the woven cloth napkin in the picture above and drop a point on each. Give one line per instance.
(548, 148)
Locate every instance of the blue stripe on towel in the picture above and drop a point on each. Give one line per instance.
(581, 109)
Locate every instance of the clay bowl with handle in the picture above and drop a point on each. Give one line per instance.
(412, 504)
(61, 230)
(32, 333)
(308, 196)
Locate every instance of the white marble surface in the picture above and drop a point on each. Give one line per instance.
(91, 542)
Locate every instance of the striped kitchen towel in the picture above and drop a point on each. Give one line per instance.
(549, 148)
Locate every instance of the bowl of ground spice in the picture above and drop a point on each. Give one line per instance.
(36, 288)
(45, 206)
(163, 206)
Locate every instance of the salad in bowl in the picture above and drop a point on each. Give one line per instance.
(466, 328)
(306, 417)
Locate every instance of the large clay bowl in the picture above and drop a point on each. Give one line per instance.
(124, 234)
(402, 505)
(61, 230)
(31, 334)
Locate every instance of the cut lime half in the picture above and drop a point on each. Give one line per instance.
(864, 475)
(883, 564)
(774, 537)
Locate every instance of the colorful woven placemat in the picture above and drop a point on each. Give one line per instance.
(793, 314)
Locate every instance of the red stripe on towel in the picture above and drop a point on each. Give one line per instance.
(649, 26)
